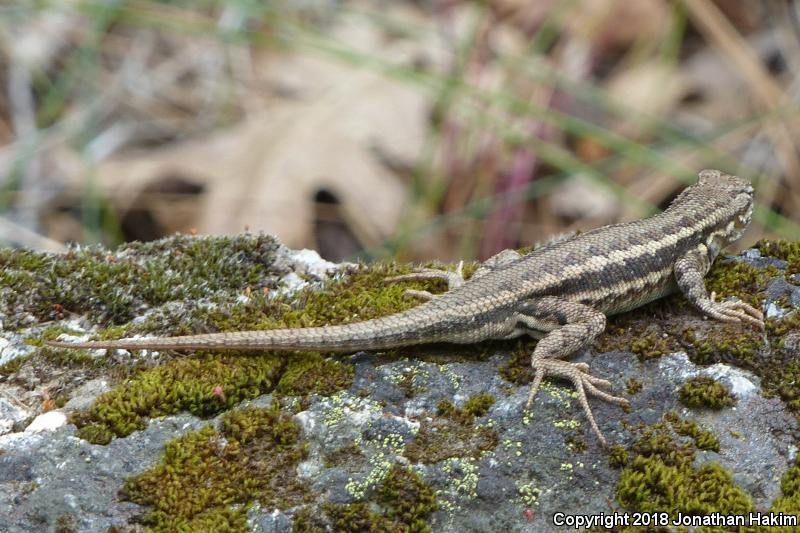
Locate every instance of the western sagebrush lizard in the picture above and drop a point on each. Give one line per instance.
(560, 293)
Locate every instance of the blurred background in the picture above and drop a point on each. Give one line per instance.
(411, 129)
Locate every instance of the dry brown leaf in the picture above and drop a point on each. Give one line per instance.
(328, 126)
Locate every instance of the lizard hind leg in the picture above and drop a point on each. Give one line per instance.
(573, 326)
(453, 279)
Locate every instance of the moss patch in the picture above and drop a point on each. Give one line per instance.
(204, 474)
(117, 287)
(705, 391)
(208, 384)
(727, 343)
(310, 373)
(662, 476)
(633, 386)
(453, 433)
(742, 280)
(203, 385)
(518, 368)
(402, 502)
(788, 251)
(789, 500)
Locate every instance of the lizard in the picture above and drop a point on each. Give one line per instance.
(560, 293)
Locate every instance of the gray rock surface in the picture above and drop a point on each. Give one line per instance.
(546, 460)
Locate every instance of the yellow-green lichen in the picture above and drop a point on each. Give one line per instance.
(453, 433)
(705, 391)
(207, 479)
(462, 485)
(402, 502)
(381, 462)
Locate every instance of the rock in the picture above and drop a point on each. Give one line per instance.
(45, 476)
(11, 414)
(83, 396)
(504, 469)
(47, 422)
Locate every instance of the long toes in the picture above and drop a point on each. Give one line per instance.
(414, 276)
(419, 295)
(537, 381)
(583, 367)
(579, 388)
(730, 314)
(610, 398)
(598, 382)
(743, 312)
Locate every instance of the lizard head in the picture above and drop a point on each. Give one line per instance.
(734, 197)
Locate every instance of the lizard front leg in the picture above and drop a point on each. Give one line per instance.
(573, 327)
(689, 271)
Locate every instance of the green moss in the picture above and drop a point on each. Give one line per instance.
(704, 391)
(203, 385)
(478, 405)
(203, 474)
(662, 478)
(402, 502)
(739, 279)
(66, 523)
(633, 385)
(310, 373)
(728, 343)
(703, 439)
(650, 346)
(639, 333)
(116, 287)
(208, 384)
(784, 383)
(518, 369)
(618, 456)
(789, 500)
(781, 326)
(475, 406)
(788, 251)
(12, 366)
(453, 433)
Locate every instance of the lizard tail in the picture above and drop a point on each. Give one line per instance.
(392, 331)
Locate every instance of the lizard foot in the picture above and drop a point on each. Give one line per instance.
(583, 382)
(453, 279)
(734, 311)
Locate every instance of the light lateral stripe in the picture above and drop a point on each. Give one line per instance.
(620, 288)
(598, 263)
